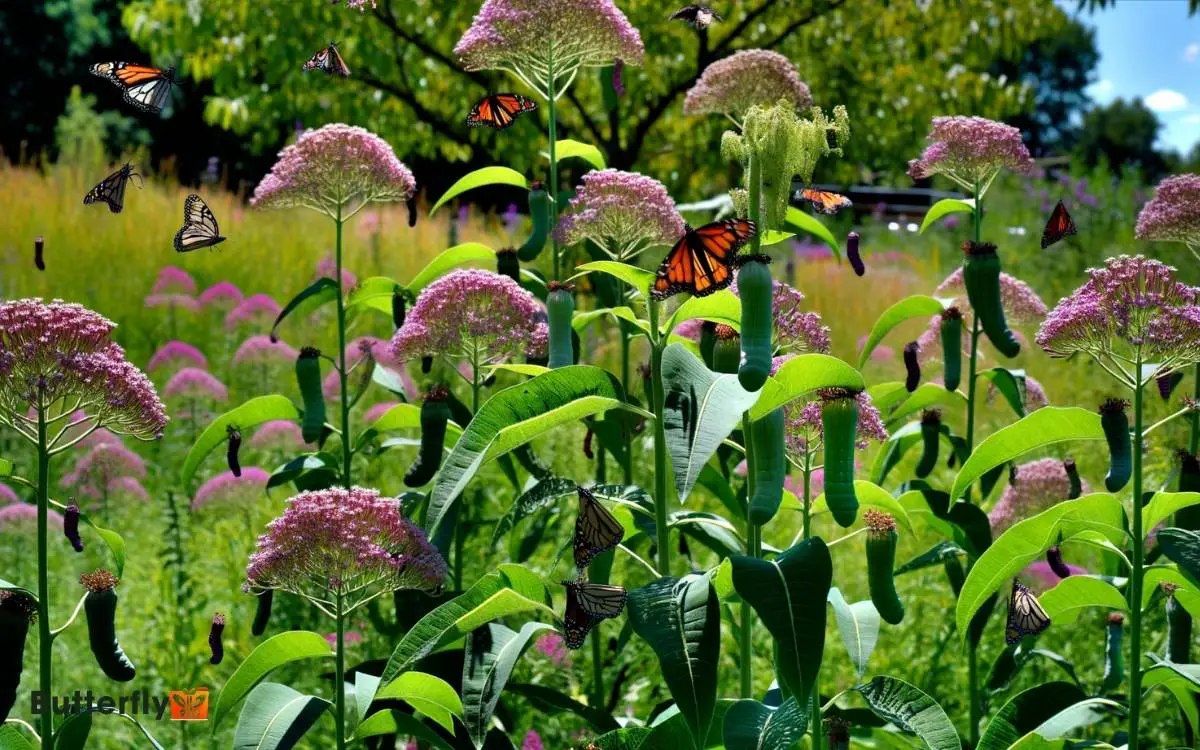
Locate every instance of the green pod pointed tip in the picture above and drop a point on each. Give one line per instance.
(756, 289)
(308, 378)
(881, 562)
(561, 308)
(1114, 659)
(100, 608)
(435, 413)
(262, 611)
(770, 466)
(951, 333)
(1115, 424)
(539, 213)
(931, 433)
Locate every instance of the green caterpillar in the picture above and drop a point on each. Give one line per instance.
(308, 377)
(100, 606)
(539, 212)
(263, 612)
(839, 423)
(952, 347)
(1179, 628)
(435, 413)
(1114, 660)
(17, 611)
(727, 350)
(770, 466)
(561, 306)
(1120, 451)
(931, 432)
(981, 276)
(756, 289)
(881, 561)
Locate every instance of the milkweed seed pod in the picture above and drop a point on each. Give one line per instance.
(214, 639)
(18, 610)
(770, 466)
(561, 308)
(71, 527)
(1075, 483)
(881, 561)
(411, 203)
(100, 606)
(39, 244)
(727, 349)
(951, 333)
(262, 612)
(508, 265)
(399, 308)
(839, 423)
(308, 377)
(981, 277)
(539, 212)
(435, 413)
(1054, 558)
(235, 445)
(1179, 627)
(1114, 660)
(756, 289)
(852, 254)
(912, 368)
(1115, 423)
(931, 433)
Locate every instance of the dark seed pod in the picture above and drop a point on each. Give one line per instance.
(508, 265)
(951, 333)
(435, 413)
(1073, 480)
(1115, 423)
(1054, 559)
(912, 367)
(613, 645)
(399, 309)
(539, 212)
(853, 255)
(561, 307)
(426, 365)
(214, 638)
(100, 606)
(837, 733)
(235, 445)
(708, 339)
(1166, 384)
(412, 211)
(1114, 660)
(757, 291)
(39, 243)
(489, 381)
(952, 460)
(954, 574)
(1179, 627)
(587, 445)
(1012, 473)
(727, 350)
(262, 613)
(308, 377)
(71, 527)
(18, 610)
(770, 466)
(881, 561)
(839, 422)
(931, 433)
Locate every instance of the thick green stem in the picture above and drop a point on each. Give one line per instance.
(661, 478)
(597, 671)
(341, 316)
(339, 676)
(45, 639)
(753, 533)
(627, 464)
(976, 706)
(1194, 444)
(807, 495)
(755, 202)
(551, 94)
(1135, 577)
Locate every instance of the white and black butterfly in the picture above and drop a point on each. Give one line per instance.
(587, 605)
(199, 227)
(328, 60)
(142, 86)
(112, 189)
(698, 16)
(1025, 615)
(596, 530)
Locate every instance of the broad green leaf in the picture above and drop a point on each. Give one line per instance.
(12, 738)
(858, 624)
(1182, 547)
(916, 306)
(1063, 602)
(926, 396)
(935, 555)
(750, 725)
(479, 178)
(670, 730)
(550, 701)
(374, 293)
(798, 221)
(723, 307)
(113, 540)
(638, 278)
(910, 709)
(302, 465)
(701, 408)
(886, 395)
(275, 717)
(802, 375)
(404, 417)
(468, 252)
(627, 738)
(1014, 658)
(870, 496)
(1082, 714)
(515, 416)
(398, 722)
(1011, 384)
(568, 149)
(1026, 711)
(321, 292)
(789, 595)
(1176, 678)
(491, 653)
(250, 414)
(528, 371)
(430, 695)
(582, 320)
(1163, 505)
(540, 496)
(285, 648)
(945, 207)
(681, 620)
(1187, 593)
(365, 687)
(774, 237)
(73, 734)
(1028, 540)
(1046, 426)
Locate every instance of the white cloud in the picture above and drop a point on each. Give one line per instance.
(1192, 53)
(1101, 89)
(1192, 119)
(1166, 100)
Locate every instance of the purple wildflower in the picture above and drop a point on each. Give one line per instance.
(258, 311)
(553, 647)
(882, 353)
(223, 294)
(805, 431)
(1173, 215)
(1035, 486)
(20, 517)
(622, 212)
(971, 151)
(327, 268)
(7, 495)
(102, 464)
(690, 329)
(1041, 577)
(226, 489)
(261, 350)
(196, 384)
(349, 638)
(128, 488)
(173, 280)
(176, 352)
(796, 331)
(746, 78)
(618, 77)
(816, 483)
(532, 741)
(180, 301)
(277, 435)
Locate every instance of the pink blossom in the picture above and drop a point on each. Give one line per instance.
(182, 301)
(193, 383)
(378, 410)
(7, 495)
(805, 430)
(553, 647)
(101, 465)
(622, 212)
(221, 295)
(882, 353)
(746, 78)
(971, 151)
(226, 489)
(1036, 486)
(176, 352)
(128, 488)
(532, 741)
(258, 311)
(349, 638)
(795, 331)
(816, 483)
(260, 350)
(277, 435)
(174, 280)
(1173, 215)
(1022, 306)
(21, 517)
(1040, 577)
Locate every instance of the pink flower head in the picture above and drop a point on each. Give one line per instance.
(1035, 486)
(1035, 395)
(257, 310)
(622, 212)
(553, 647)
(58, 351)
(260, 350)
(128, 488)
(882, 353)
(796, 331)
(971, 151)
(349, 541)
(532, 37)
(7, 495)
(22, 517)
(176, 352)
(734, 84)
(173, 280)
(277, 435)
(532, 741)
(816, 483)
(196, 384)
(327, 269)
(221, 295)
(472, 311)
(226, 489)
(180, 301)
(331, 386)
(690, 329)
(377, 349)
(335, 166)
(349, 638)
(805, 431)
(101, 465)
(1173, 215)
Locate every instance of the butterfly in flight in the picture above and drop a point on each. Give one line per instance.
(1025, 615)
(142, 86)
(698, 16)
(499, 111)
(1058, 226)
(199, 227)
(596, 529)
(702, 261)
(824, 201)
(587, 605)
(328, 60)
(112, 189)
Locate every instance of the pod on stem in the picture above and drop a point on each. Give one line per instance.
(912, 368)
(839, 423)
(951, 333)
(727, 350)
(1074, 482)
(931, 433)
(231, 453)
(539, 212)
(561, 308)
(1114, 659)
(100, 606)
(435, 413)
(981, 276)
(1115, 423)
(71, 527)
(1179, 627)
(308, 377)
(853, 255)
(214, 639)
(1054, 559)
(756, 289)
(508, 265)
(881, 561)
(770, 466)
(262, 611)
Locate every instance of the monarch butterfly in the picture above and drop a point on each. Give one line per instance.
(199, 227)
(1059, 225)
(701, 262)
(142, 86)
(587, 605)
(824, 201)
(328, 60)
(1025, 615)
(697, 16)
(112, 189)
(499, 111)
(596, 529)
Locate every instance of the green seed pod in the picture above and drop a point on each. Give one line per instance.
(508, 265)
(17, 611)
(954, 574)
(756, 289)
(1179, 628)
(708, 339)
(435, 412)
(561, 306)
(770, 466)
(1114, 660)
(727, 350)
(952, 331)
(931, 433)
(100, 606)
(981, 276)
(1120, 450)
(839, 423)
(262, 613)
(539, 211)
(1073, 481)
(308, 377)
(881, 561)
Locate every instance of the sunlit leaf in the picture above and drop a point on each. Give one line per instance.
(468, 252)
(568, 149)
(1063, 602)
(432, 696)
(800, 376)
(917, 306)
(912, 710)
(285, 648)
(1026, 711)
(479, 178)
(250, 414)
(275, 717)
(800, 222)
(321, 292)
(858, 624)
(944, 208)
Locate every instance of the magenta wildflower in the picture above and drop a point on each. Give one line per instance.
(221, 295)
(21, 517)
(176, 352)
(971, 151)
(805, 431)
(690, 329)
(532, 741)
(174, 280)
(553, 647)
(103, 463)
(196, 384)
(128, 488)
(261, 350)
(349, 638)
(277, 435)
(226, 489)
(796, 331)
(1035, 486)
(7, 495)
(816, 483)
(327, 269)
(745, 79)
(180, 301)
(622, 212)
(1173, 215)
(258, 311)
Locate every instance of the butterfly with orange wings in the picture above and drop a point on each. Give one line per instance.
(142, 86)
(1058, 226)
(328, 60)
(499, 111)
(824, 201)
(702, 261)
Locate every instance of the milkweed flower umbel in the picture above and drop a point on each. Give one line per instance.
(194, 383)
(734, 84)
(1173, 214)
(1022, 305)
(277, 435)
(221, 295)
(805, 431)
(174, 280)
(622, 212)
(176, 352)
(258, 310)
(226, 489)
(102, 464)
(971, 151)
(1033, 487)
(22, 517)
(261, 350)
(796, 331)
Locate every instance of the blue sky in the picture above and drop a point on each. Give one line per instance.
(1150, 49)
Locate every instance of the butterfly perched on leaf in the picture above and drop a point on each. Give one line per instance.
(596, 530)
(825, 201)
(142, 86)
(587, 605)
(199, 227)
(328, 60)
(499, 111)
(697, 16)
(702, 260)
(1058, 226)
(111, 189)
(1025, 615)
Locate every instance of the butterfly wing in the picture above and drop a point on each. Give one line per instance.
(111, 190)
(1058, 226)
(824, 201)
(701, 262)
(199, 226)
(334, 64)
(499, 111)
(142, 86)
(596, 530)
(1025, 615)
(587, 605)
(317, 61)
(686, 13)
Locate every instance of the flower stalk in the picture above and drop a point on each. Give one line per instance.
(344, 395)
(45, 637)
(1139, 553)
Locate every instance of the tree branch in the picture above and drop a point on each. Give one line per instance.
(588, 122)
(388, 19)
(435, 121)
(796, 25)
(738, 30)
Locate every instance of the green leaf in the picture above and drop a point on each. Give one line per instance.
(568, 149)
(789, 595)
(701, 408)
(870, 496)
(285, 648)
(398, 722)
(1063, 602)
(935, 555)
(365, 687)
(1176, 678)
(887, 395)
(1082, 714)
(802, 375)
(403, 417)
(1026, 712)
(926, 396)
(916, 306)
(468, 252)
(12, 738)
(774, 237)
(1188, 594)
(910, 709)
(582, 320)
(478, 179)
(321, 292)
(945, 207)
(1011, 384)
(432, 696)
(491, 653)
(374, 293)
(6, 467)
(538, 497)
(638, 278)
(1182, 547)
(1046, 426)
(723, 307)
(250, 414)
(670, 729)
(515, 416)
(275, 717)
(1163, 505)
(1028, 540)
(628, 738)
(113, 540)
(550, 701)
(858, 624)
(750, 725)
(798, 221)
(681, 620)
(73, 734)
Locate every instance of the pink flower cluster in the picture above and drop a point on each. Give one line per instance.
(1036, 486)
(745, 79)
(221, 295)
(1022, 305)
(261, 350)
(971, 151)
(7, 495)
(554, 648)
(378, 410)
(622, 212)
(173, 280)
(277, 435)
(1173, 214)
(258, 311)
(327, 269)
(194, 383)
(796, 331)
(226, 489)
(21, 517)
(532, 741)
(104, 463)
(804, 430)
(1041, 577)
(181, 301)
(176, 352)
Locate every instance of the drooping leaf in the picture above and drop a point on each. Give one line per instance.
(1026, 711)
(540, 496)
(468, 252)
(12, 738)
(1082, 714)
(912, 710)
(1010, 384)
(916, 306)
(935, 555)
(799, 222)
(551, 701)
(250, 414)
(1182, 547)
(750, 725)
(374, 293)
(1183, 682)
(275, 717)
(858, 624)
(723, 307)
(73, 734)
(431, 695)
(398, 722)
(800, 376)
(870, 496)
(638, 278)
(1165, 504)
(321, 292)
(568, 149)
(927, 395)
(1063, 602)
(479, 178)
(491, 653)
(945, 207)
(285, 648)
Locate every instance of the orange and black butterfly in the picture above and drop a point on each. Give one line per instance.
(1058, 226)
(499, 111)
(824, 201)
(328, 60)
(142, 86)
(702, 261)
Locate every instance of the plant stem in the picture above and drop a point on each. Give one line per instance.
(45, 639)
(752, 550)
(660, 445)
(1194, 444)
(976, 707)
(1135, 576)
(553, 134)
(597, 670)
(339, 676)
(807, 495)
(627, 464)
(973, 677)
(341, 316)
